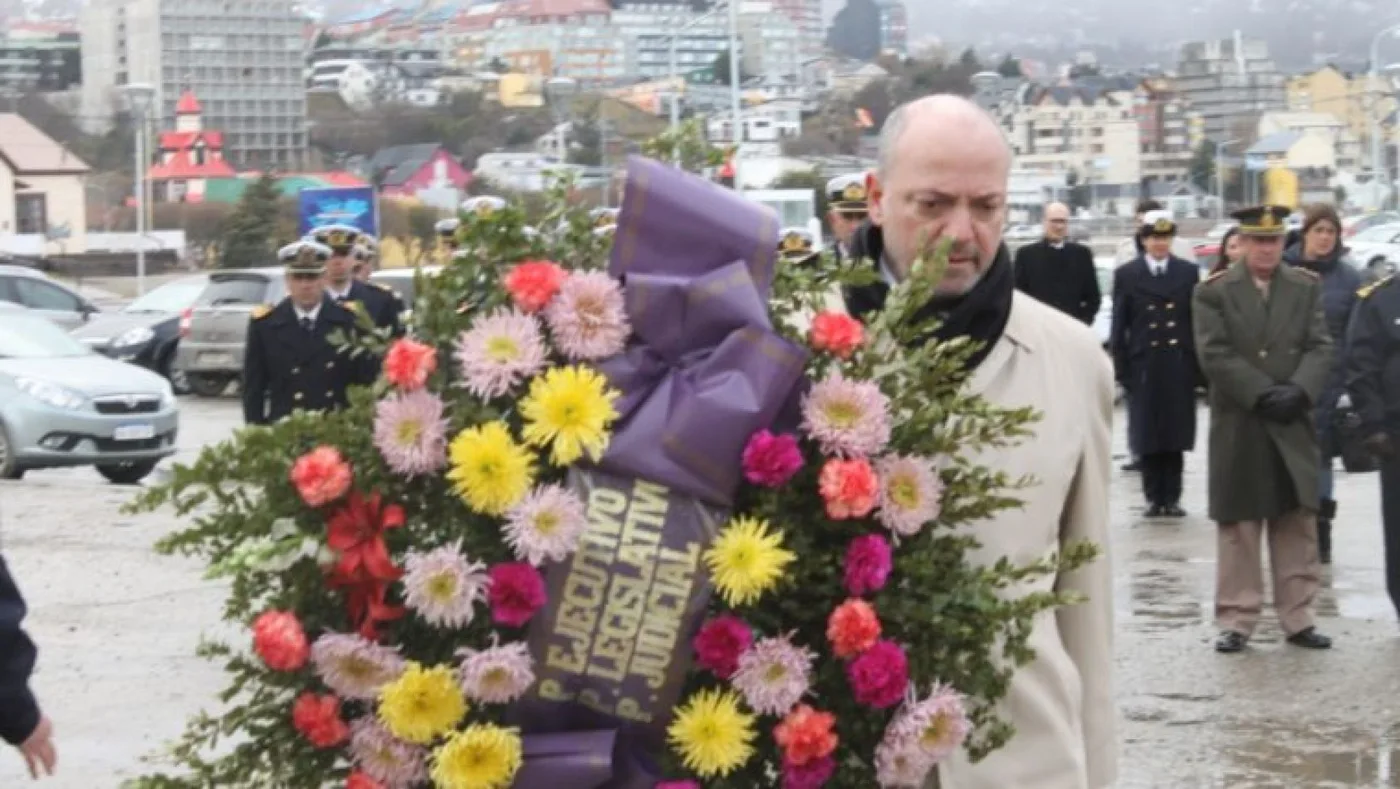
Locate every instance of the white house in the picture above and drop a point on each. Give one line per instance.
(43, 205)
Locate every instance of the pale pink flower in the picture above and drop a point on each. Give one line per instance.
(443, 586)
(901, 765)
(411, 432)
(846, 417)
(498, 675)
(353, 666)
(773, 675)
(937, 725)
(380, 755)
(499, 351)
(911, 493)
(587, 319)
(546, 525)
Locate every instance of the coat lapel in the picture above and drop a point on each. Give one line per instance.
(1283, 303)
(1246, 299)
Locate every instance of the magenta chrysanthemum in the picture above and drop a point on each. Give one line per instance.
(385, 758)
(498, 675)
(911, 493)
(411, 433)
(587, 319)
(353, 666)
(937, 725)
(899, 764)
(443, 586)
(773, 675)
(546, 525)
(846, 417)
(500, 350)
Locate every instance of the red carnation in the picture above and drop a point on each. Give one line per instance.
(358, 780)
(321, 476)
(517, 592)
(408, 364)
(279, 641)
(318, 720)
(534, 283)
(719, 644)
(836, 333)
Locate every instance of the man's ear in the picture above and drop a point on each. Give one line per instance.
(875, 195)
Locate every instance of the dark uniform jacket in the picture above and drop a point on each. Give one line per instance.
(285, 367)
(382, 304)
(1064, 278)
(1261, 469)
(19, 713)
(1373, 358)
(1340, 282)
(1154, 353)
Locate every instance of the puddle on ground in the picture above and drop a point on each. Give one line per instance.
(1253, 757)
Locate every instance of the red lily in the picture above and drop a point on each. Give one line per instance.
(356, 532)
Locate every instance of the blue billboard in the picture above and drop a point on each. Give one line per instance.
(353, 206)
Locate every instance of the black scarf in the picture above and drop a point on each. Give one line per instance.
(980, 314)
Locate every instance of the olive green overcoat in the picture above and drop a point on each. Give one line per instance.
(1259, 469)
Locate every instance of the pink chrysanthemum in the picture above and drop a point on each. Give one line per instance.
(498, 675)
(411, 433)
(900, 765)
(380, 755)
(444, 586)
(499, 351)
(587, 319)
(937, 725)
(546, 525)
(911, 493)
(353, 666)
(773, 675)
(846, 417)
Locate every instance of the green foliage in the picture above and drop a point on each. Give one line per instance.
(248, 232)
(1202, 167)
(687, 146)
(961, 624)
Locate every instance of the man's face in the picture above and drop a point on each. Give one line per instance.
(943, 184)
(1262, 254)
(843, 226)
(338, 269)
(362, 270)
(1159, 247)
(305, 289)
(1056, 224)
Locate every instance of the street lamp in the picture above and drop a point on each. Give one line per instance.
(1220, 180)
(1377, 164)
(139, 96)
(560, 93)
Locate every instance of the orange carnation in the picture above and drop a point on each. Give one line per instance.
(852, 628)
(318, 720)
(279, 641)
(805, 735)
(408, 364)
(321, 476)
(850, 488)
(836, 333)
(534, 283)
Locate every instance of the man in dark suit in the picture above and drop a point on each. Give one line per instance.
(22, 724)
(1058, 271)
(289, 362)
(1154, 359)
(849, 206)
(341, 284)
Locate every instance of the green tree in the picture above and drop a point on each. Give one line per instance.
(721, 69)
(687, 146)
(252, 228)
(586, 139)
(1202, 167)
(1010, 67)
(969, 60)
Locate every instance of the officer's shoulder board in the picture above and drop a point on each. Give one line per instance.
(1369, 289)
(383, 287)
(261, 311)
(1307, 272)
(1216, 276)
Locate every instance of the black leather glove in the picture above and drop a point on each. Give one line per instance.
(1282, 403)
(1379, 444)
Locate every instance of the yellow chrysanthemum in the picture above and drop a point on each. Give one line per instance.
(572, 409)
(712, 735)
(490, 471)
(482, 757)
(746, 560)
(423, 703)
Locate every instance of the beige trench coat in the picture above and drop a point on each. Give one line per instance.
(1061, 704)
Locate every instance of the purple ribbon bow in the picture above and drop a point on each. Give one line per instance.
(705, 370)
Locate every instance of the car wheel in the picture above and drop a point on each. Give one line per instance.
(1378, 267)
(9, 464)
(179, 382)
(127, 473)
(207, 384)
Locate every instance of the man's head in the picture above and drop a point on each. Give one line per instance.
(1056, 222)
(1143, 207)
(362, 262)
(305, 266)
(1158, 230)
(942, 175)
(1262, 228)
(341, 240)
(850, 205)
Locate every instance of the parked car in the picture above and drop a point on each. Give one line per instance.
(1377, 250)
(62, 404)
(146, 332)
(210, 353)
(53, 300)
(1355, 225)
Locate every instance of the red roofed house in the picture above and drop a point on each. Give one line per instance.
(189, 156)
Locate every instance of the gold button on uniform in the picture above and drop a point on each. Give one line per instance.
(329, 393)
(1171, 324)
(296, 371)
(1263, 354)
(296, 396)
(330, 365)
(1173, 342)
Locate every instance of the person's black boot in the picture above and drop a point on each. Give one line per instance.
(1326, 513)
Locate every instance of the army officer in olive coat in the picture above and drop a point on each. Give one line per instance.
(1264, 347)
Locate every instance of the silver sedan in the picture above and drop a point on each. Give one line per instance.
(61, 404)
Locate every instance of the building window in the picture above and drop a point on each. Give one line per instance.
(32, 213)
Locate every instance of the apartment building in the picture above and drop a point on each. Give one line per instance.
(1230, 82)
(1089, 132)
(245, 60)
(47, 65)
(806, 15)
(650, 28)
(770, 44)
(894, 27)
(559, 38)
(1353, 99)
(1169, 130)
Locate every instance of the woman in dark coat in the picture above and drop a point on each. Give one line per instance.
(1320, 251)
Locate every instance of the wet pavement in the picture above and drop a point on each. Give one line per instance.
(118, 626)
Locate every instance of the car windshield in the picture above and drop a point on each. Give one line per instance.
(244, 289)
(1380, 233)
(28, 337)
(171, 297)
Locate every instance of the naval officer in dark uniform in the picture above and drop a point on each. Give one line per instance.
(849, 207)
(341, 284)
(289, 362)
(796, 246)
(1154, 358)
